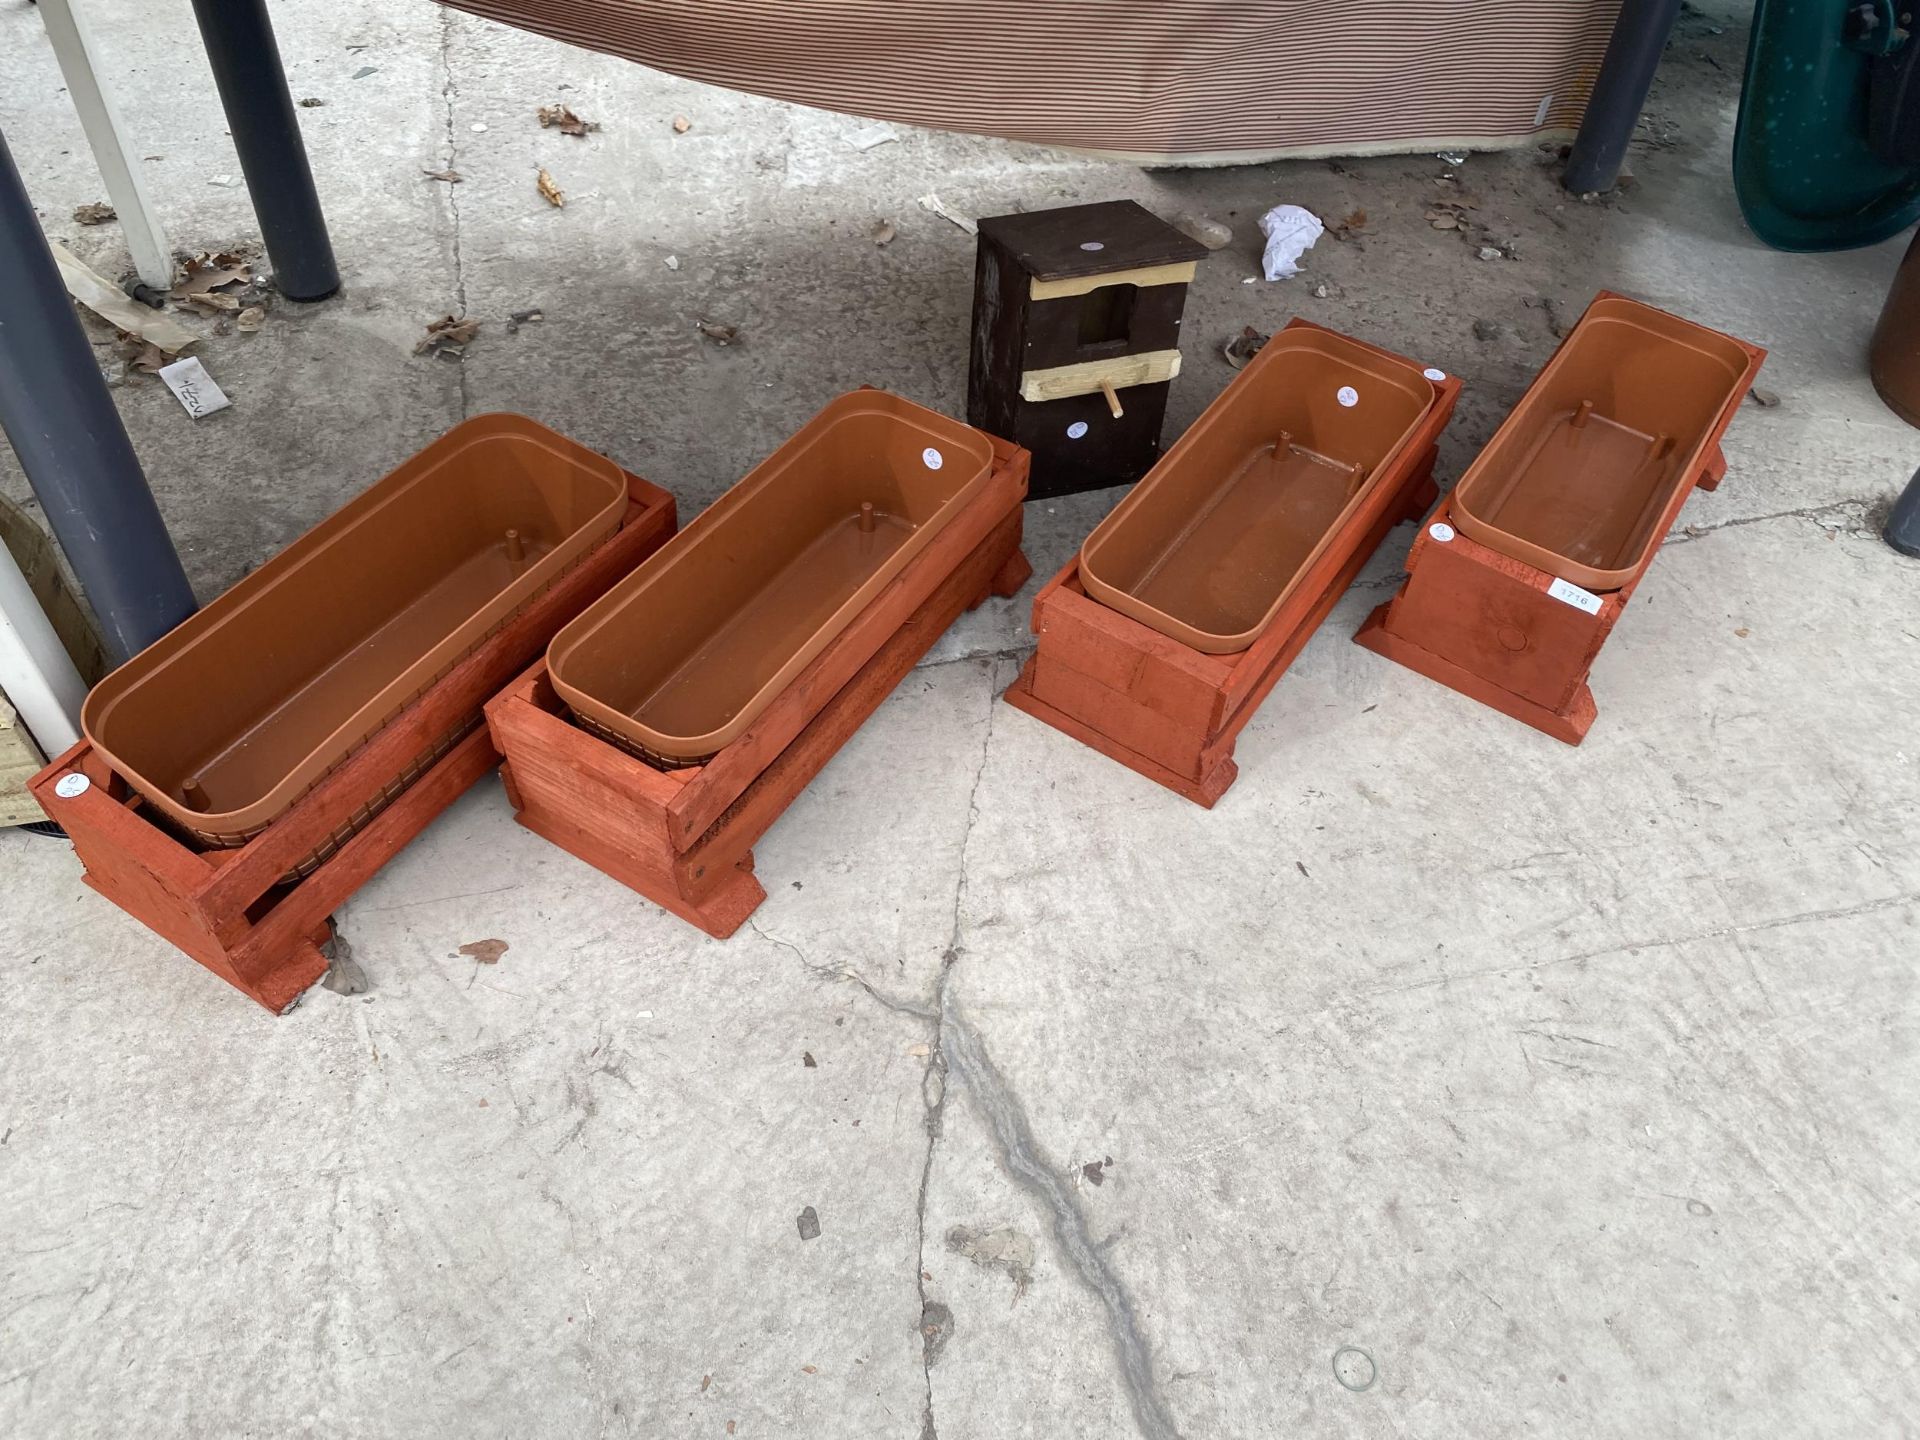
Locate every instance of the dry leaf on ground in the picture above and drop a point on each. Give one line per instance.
(681, 124)
(94, 213)
(215, 301)
(550, 192)
(447, 334)
(561, 118)
(486, 952)
(882, 232)
(1244, 346)
(206, 273)
(719, 334)
(452, 177)
(249, 319)
(142, 354)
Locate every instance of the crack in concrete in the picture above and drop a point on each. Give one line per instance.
(1012, 652)
(973, 818)
(1628, 947)
(1856, 513)
(933, 1093)
(449, 95)
(845, 973)
(934, 1083)
(965, 1057)
(957, 1050)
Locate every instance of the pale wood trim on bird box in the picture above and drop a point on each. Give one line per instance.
(1180, 273)
(1062, 382)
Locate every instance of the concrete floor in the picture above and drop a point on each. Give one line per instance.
(1575, 1087)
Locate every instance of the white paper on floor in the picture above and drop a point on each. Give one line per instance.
(1290, 232)
(193, 387)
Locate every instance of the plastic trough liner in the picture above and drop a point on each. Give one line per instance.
(1213, 542)
(684, 654)
(1579, 479)
(226, 721)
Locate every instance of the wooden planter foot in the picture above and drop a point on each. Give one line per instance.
(719, 909)
(1569, 725)
(1204, 791)
(683, 838)
(1008, 579)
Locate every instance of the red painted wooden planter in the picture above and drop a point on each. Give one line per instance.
(1508, 632)
(1170, 711)
(228, 908)
(683, 837)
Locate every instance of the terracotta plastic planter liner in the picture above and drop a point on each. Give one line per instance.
(683, 837)
(231, 717)
(232, 910)
(681, 657)
(1579, 477)
(1508, 630)
(1165, 708)
(1208, 548)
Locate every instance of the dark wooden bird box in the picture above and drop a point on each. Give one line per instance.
(1076, 336)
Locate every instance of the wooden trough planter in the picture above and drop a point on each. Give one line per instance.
(678, 829)
(254, 907)
(1159, 640)
(1519, 577)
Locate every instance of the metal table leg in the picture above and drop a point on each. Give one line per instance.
(57, 413)
(100, 119)
(1639, 35)
(253, 89)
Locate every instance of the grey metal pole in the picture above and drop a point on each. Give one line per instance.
(60, 419)
(1619, 92)
(238, 36)
(1903, 525)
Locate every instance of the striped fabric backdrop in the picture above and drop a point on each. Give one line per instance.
(1179, 80)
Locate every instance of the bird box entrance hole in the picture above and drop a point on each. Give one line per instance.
(1106, 317)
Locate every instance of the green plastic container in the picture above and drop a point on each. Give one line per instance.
(1803, 167)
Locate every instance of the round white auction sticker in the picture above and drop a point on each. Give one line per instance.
(1076, 429)
(70, 785)
(933, 458)
(1348, 396)
(1434, 373)
(1441, 531)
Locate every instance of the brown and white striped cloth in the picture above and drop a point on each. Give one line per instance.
(1182, 81)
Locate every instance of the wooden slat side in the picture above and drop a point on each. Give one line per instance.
(1125, 721)
(1491, 615)
(270, 942)
(561, 769)
(1132, 660)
